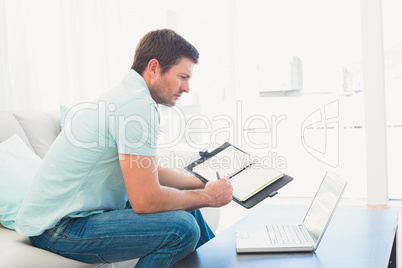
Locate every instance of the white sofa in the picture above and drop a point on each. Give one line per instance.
(38, 130)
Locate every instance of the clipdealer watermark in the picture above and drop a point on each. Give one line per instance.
(319, 134)
(135, 131)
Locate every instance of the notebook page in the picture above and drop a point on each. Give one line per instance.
(249, 182)
(225, 162)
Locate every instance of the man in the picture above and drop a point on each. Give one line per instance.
(76, 205)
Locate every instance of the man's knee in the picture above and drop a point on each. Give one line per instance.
(187, 227)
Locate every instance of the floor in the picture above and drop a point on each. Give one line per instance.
(233, 212)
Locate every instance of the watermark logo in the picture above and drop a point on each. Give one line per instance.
(320, 134)
(107, 128)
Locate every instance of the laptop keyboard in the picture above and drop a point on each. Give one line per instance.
(285, 234)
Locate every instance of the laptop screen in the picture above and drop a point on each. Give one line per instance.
(323, 205)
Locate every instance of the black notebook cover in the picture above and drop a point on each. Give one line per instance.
(269, 191)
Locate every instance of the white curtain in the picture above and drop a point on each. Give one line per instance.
(56, 52)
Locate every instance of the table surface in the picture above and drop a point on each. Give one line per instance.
(355, 237)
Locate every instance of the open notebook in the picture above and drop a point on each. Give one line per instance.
(246, 175)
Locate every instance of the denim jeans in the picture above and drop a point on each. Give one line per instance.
(158, 239)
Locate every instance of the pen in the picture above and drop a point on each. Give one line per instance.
(217, 175)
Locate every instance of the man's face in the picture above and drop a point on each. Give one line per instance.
(168, 87)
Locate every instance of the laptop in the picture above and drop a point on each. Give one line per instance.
(300, 237)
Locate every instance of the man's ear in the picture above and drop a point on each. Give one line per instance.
(153, 67)
(151, 72)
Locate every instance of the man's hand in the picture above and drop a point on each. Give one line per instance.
(219, 192)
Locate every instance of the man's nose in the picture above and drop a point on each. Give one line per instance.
(185, 87)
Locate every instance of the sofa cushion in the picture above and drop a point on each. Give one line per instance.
(18, 165)
(9, 125)
(16, 251)
(41, 129)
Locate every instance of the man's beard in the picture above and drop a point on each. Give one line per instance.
(158, 90)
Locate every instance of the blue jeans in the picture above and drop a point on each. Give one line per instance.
(159, 239)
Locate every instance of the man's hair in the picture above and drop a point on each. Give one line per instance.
(166, 46)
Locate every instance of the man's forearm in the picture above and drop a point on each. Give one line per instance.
(171, 178)
(151, 192)
(214, 194)
(168, 199)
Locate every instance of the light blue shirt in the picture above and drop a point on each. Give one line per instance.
(81, 174)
